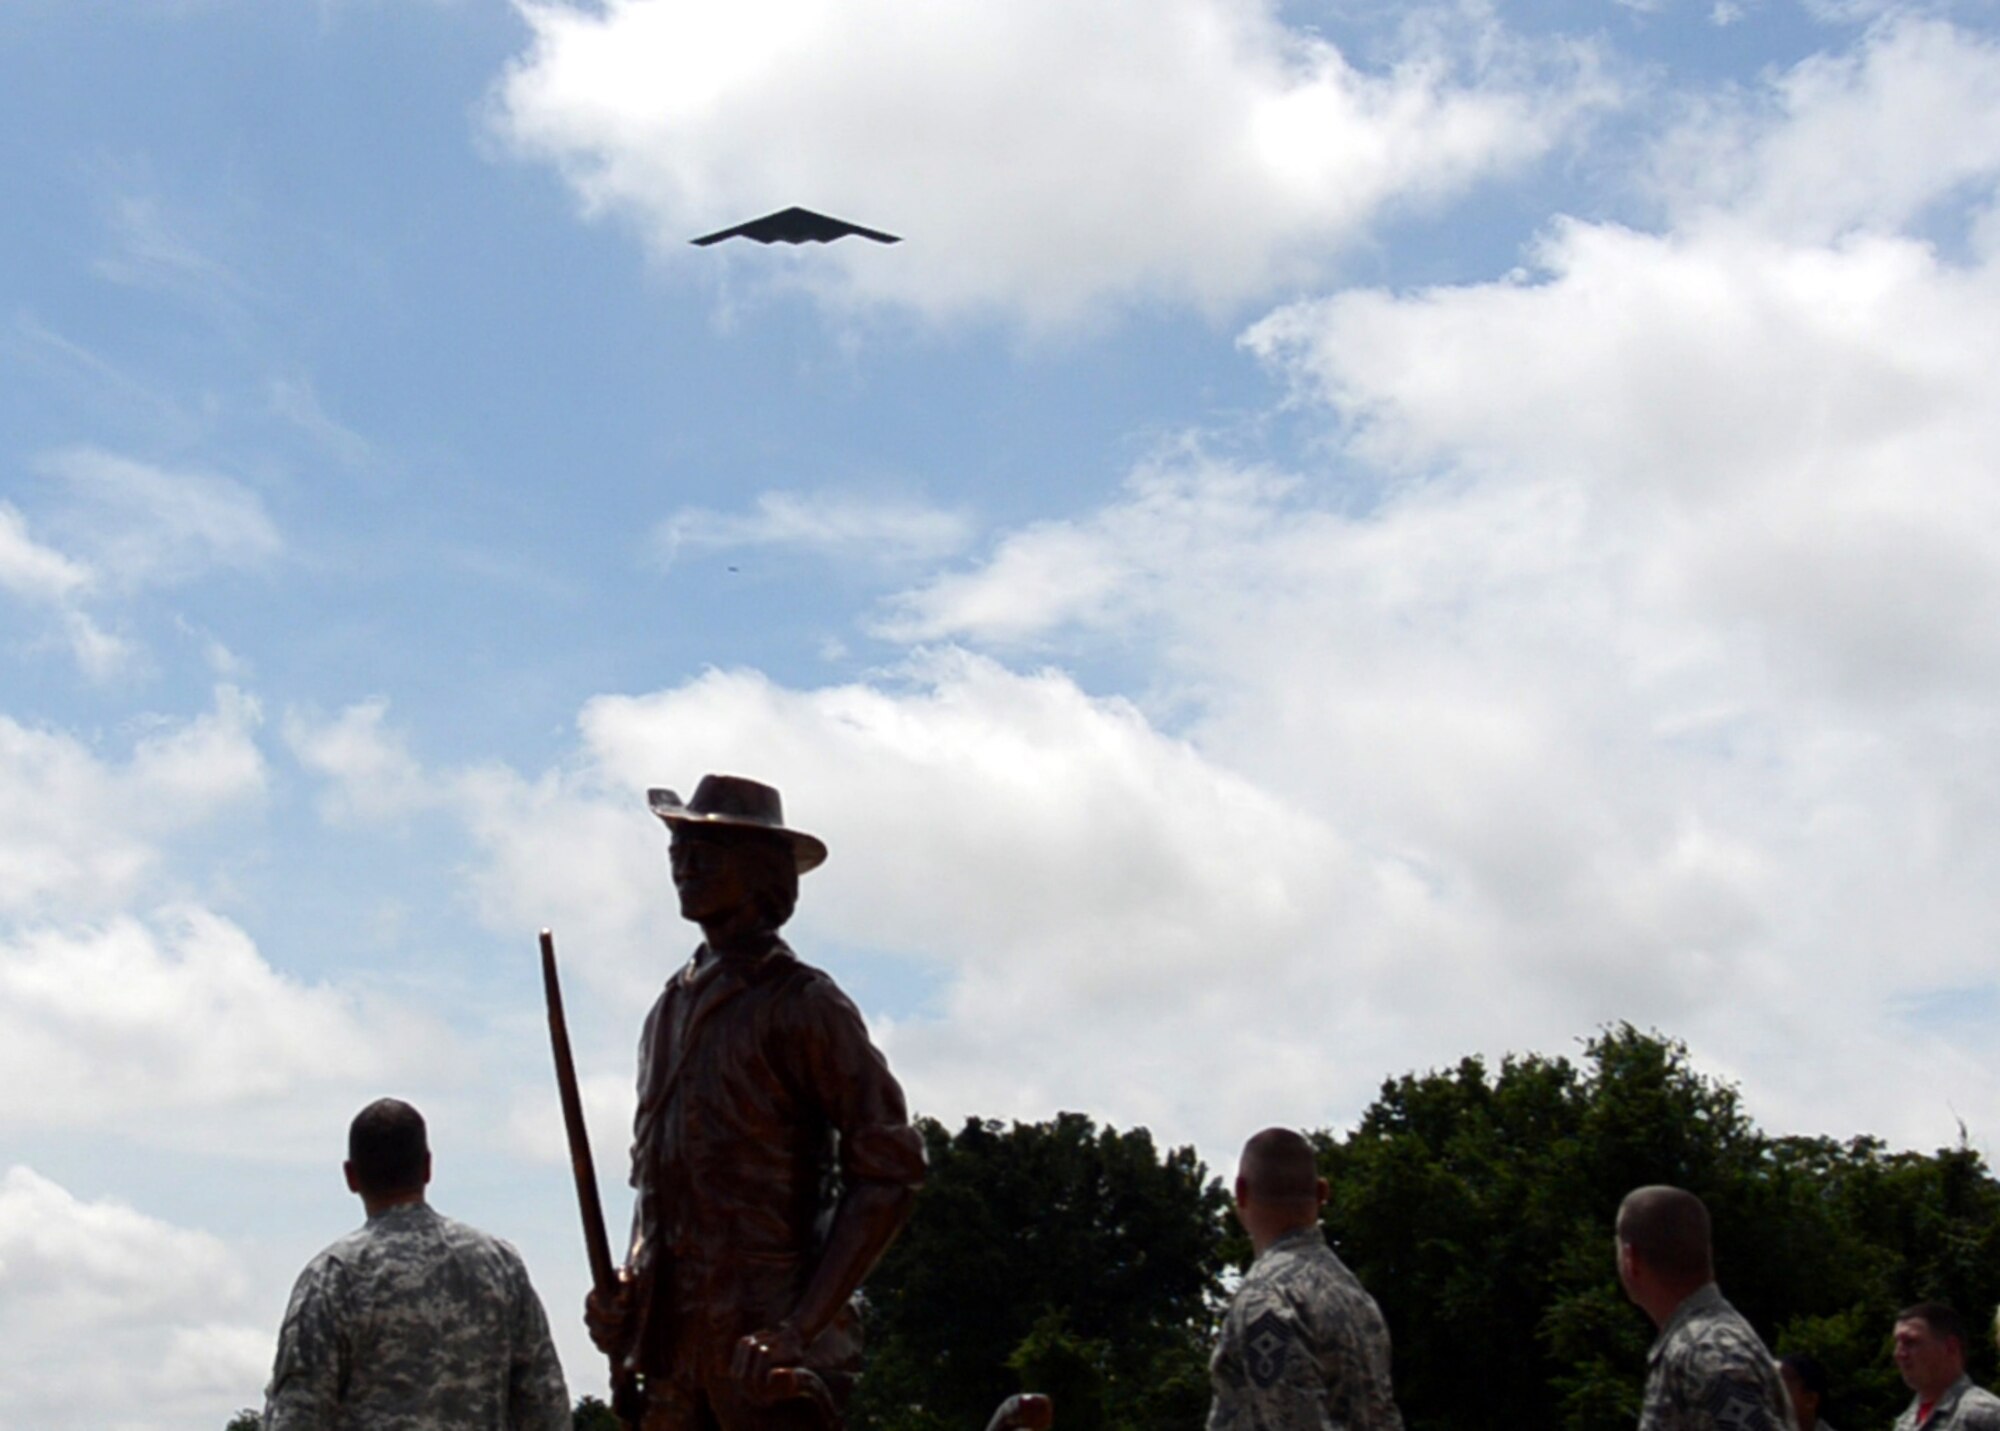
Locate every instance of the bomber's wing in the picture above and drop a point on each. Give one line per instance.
(796, 225)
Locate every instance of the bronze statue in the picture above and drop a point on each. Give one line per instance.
(772, 1152)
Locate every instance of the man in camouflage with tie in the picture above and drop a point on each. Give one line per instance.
(1303, 1346)
(414, 1322)
(1708, 1370)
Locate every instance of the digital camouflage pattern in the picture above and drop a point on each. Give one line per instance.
(1709, 1371)
(1963, 1407)
(416, 1323)
(1303, 1347)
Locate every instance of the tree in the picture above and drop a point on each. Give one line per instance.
(591, 1414)
(1478, 1208)
(245, 1420)
(1044, 1255)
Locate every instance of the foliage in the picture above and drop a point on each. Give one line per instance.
(1045, 1256)
(1477, 1205)
(1478, 1208)
(245, 1420)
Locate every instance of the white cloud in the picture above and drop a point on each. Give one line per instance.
(79, 833)
(1789, 439)
(41, 574)
(1633, 643)
(372, 773)
(33, 571)
(126, 526)
(1625, 657)
(1868, 139)
(1043, 159)
(112, 1024)
(1106, 570)
(141, 525)
(160, 244)
(296, 401)
(831, 524)
(1072, 873)
(86, 1285)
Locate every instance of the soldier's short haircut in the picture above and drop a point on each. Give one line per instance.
(1943, 1321)
(388, 1147)
(1667, 1228)
(1806, 1367)
(1278, 1166)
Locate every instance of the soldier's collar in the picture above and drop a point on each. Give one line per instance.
(401, 1212)
(1298, 1237)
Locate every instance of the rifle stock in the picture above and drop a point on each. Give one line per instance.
(625, 1395)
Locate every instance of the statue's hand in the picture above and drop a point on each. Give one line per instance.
(610, 1318)
(760, 1354)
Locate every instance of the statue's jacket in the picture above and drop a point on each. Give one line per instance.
(760, 1098)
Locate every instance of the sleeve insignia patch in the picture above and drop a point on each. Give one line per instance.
(1738, 1406)
(1266, 1343)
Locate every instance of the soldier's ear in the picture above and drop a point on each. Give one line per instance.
(353, 1183)
(1322, 1191)
(1242, 1191)
(427, 1170)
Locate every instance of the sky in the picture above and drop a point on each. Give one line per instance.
(1342, 538)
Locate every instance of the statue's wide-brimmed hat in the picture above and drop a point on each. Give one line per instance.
(731, 802)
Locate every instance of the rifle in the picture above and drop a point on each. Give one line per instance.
(626, 1399)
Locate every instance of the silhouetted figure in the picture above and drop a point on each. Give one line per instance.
(772, 1149)
(414, 1321)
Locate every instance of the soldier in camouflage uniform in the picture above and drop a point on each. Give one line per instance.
(414, 1322)
(1708, 1370)
(1930, 1353)
(1303, 1347)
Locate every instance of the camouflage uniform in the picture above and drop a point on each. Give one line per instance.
(1708, 1371)
(415, 1323)
(1303, 1347)
(1963, 1407)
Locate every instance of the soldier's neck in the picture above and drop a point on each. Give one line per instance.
(375, 1205)
(1266, 1234)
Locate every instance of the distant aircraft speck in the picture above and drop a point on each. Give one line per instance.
(796, 225)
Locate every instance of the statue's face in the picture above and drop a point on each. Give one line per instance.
(719, 873)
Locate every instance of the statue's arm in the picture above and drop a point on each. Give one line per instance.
(869, 1217)
(881, 1167)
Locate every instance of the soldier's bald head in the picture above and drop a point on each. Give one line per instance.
(1667, 1228)
(1278, 1167)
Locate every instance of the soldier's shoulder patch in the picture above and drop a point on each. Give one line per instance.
(1737, 1406)
(1267, 1343)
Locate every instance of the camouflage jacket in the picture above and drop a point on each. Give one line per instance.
(415, 1323)
(1303, 1347)
(1963, 1407)
(1708, 1371)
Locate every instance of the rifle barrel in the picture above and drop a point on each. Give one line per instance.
(603, 1275)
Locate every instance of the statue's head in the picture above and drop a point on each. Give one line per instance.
(734, 860)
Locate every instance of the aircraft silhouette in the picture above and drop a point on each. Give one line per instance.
(795, 225)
